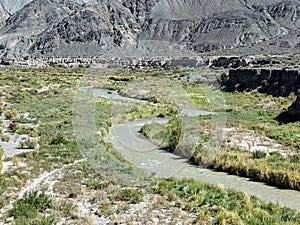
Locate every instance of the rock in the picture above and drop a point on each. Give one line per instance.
(228, 62)
(11, 6)
(293, 112)
(294, 109)
(3, 15)
(274, 81)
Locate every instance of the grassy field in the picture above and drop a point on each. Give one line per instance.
(257, 112)
(88, 171)
(244, 112)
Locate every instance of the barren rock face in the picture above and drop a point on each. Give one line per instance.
(274, 81)
(88, 32)
(3, 14)
(11, 6)
(43, 28)
(191, 9)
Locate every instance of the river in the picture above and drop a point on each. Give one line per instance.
(145, 154)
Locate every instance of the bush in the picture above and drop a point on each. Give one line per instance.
(13, 126)
(40, 201)
(129, 195)
(58, 139)
(24, 211)
(174, 134)
(295, 158)
(24, 130)
(67, 207)
(10, 114)
(259, 154)
(31, 143)
(42, 220)
(16, 160)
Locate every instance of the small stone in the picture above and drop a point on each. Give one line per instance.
(9, 219)
(155, 220)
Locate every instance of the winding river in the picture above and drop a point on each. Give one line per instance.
(145, 154)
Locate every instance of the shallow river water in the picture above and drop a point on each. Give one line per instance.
(145, 154)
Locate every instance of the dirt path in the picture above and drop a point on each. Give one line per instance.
(35, 185)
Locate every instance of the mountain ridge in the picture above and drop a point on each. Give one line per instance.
(89, 28)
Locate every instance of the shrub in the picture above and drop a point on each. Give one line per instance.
(10, 114)
(23, 211)
(23, 130)
(129, 195)
(295, 158)
(67, 207)
(174, 134)
(31, 143)
(13, 126)
(105, 209)
(16, 160)
(40, 201)
(4, 137)
(259, 154)
(58, 139)
(41, 220)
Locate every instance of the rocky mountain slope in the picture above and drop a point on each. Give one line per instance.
(11, 6)
(88, 28)
(3, 14)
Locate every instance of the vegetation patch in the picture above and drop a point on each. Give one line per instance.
(216, 205)
(47, 94)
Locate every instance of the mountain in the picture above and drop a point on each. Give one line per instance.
(3, 14)
(89, 28)
(11, 6)
(88, 31)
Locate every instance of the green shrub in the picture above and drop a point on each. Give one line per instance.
(10, 114)
(3, 184)
(23, 211)
(58, 139)
(105, 209)
(31, 143)
(24, 130)
(129, 195)
(167, 135)
(13, 126)
(259, 154)
(3, 201)
(67, 207)
(295, 158)
(96, 184)
(41, 220)
(173, 131)
(40, 201)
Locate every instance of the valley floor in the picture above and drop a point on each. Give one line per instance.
(69, 169)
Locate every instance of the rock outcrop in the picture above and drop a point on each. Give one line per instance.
(12, 6)
(88, 32)
(274, 81)
(294, 110)
(277, 82)
(228, 62)
(3, 15)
